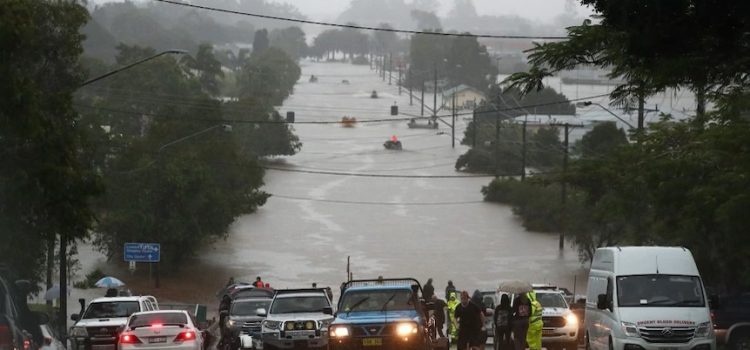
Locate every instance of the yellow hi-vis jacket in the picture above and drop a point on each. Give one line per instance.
(534, 336)
(452, 324)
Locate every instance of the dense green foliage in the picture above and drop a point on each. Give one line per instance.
(46, 181)
(291, 40)
(457, 60)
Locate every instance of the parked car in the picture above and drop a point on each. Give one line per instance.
(19, 327)
(244, 321)
(97, 327)
(560, 324)
(731, 320)
(383, 314)
(162, 330)
(251, 292)
(297, 318)
(649, 298)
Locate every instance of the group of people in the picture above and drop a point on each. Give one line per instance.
(516, 326)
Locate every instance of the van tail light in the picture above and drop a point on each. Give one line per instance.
(185, 336)
(128, 338)
(6, 337)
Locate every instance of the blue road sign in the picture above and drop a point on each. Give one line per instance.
(142, 252)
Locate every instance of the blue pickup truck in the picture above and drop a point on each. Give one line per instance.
(383, 314)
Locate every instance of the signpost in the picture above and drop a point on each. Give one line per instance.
(143, 252)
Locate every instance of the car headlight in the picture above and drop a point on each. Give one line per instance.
(272, 324)
(571, 319)
(230, 323)
(339, 332)
(289, 326)
(406, 328)
(703, 330)
(79, 332)
(630, 329)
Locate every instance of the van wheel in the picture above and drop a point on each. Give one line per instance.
(741, 341)
(611, 344)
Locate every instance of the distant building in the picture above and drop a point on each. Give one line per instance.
(466, 96)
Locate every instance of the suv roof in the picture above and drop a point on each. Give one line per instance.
(115, 299)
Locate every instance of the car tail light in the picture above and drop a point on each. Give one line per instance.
(26, 344)
(185, 336)
(128, 338)
(6, 337)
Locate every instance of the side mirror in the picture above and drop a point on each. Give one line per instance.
(75, 317)
(261, 312)
(601, 302)
(328, 310)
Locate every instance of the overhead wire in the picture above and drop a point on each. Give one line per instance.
(339, 201)
(353, 26)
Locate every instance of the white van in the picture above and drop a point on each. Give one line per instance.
(646, 298)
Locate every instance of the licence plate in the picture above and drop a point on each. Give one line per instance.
(372, 342)
(157, 340)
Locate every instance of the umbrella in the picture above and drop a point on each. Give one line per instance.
(109, 282)
(52, 293)
(514, 286)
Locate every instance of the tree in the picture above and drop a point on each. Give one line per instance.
(260, 41)
(602, 140)
(469, 63)
(426, 20)
(291, 40)
(384, 42)
(207, 68)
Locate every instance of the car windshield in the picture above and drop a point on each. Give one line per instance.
(249, 307)
(375, 300)
(551, 300)
(111, 309)
(659, 291)
(291, 305)
(161, 318)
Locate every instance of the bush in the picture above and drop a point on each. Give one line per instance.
(538, 204)
(360, 60)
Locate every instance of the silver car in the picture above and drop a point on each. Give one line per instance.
(244, 321)
(297, 318)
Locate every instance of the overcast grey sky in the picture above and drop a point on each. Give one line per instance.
(540, 10)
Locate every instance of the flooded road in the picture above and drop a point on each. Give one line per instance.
(418, 225)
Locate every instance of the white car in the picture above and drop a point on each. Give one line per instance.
(560, 329)
(161, 330)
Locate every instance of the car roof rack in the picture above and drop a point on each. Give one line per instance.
(381, 281)
(300, 290)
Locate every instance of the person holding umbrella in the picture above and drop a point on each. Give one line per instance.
(521, 310)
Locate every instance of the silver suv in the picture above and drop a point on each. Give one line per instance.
(560, 329)
(297, 318)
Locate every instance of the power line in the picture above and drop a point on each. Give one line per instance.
(351, 26)
(338, 201)
(337, 173)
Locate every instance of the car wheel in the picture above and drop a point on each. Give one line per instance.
(741, 341)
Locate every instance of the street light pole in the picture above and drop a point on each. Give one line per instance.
(118, 70)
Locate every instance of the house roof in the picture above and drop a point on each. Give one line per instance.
(461, 88)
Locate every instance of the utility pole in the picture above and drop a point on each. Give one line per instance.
(383, 70)
(434, 95)
(390, 67)
(399, 81)
(523, 151)
(497, 144)
(474, 128)
(422, 100)
(564, 192)
(411, 97)
(453, 122)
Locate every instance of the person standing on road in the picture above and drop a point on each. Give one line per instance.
(452, 324)
(470, 324)
(450, 288)
(476, 298)
(534, 334)
(501, 320)
(520, 321)
(439, 306)
(428, 290)
(258, 283)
